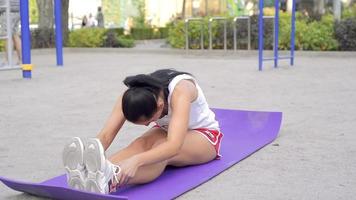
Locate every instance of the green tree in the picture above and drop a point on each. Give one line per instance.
(33, 12)
(140, 20)
(65, 16)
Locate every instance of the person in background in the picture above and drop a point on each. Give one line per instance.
(84, 21)
(14, 24)
(91, 21)
(100, 18)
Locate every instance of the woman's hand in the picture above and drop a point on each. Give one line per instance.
(128, 170)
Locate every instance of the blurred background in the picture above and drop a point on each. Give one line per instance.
(322, 25)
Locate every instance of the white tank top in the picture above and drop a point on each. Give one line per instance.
(200, 114)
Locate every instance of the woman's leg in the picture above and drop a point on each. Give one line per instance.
(188, 155)
(17, 44)
(139, 145)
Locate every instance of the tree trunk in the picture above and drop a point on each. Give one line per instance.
(337, 10)
(306, 6)
(45, 15)
(183, 9)
(319, 6)
(65, 29)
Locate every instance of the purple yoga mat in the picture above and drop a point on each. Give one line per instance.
(244, 133)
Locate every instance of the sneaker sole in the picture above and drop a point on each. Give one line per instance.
(94, 159)
(73, 163)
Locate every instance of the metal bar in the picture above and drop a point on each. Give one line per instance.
(225, 36)
(8, 67)
(276, 30)
(260, 36)
(248, 31)
(187, 32)
(202, 36)
(235, 32)
(186, 35)
(210, 36)
(210, 32)
(3, 37)
(58, 22)
(279, 58)
(9, 34)
(292, 38)
(25, 37)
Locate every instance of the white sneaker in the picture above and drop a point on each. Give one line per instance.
(101, 172)
(73, 163)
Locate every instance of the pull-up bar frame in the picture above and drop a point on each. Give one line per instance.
(276, 56)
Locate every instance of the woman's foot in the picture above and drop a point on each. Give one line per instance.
(73, 163)
(102, 174)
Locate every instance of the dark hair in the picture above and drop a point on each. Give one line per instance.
(140, 100)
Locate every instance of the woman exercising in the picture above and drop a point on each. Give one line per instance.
(185, 133)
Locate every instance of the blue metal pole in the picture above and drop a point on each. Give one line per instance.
(276, 30)
(25, 40)
(260, 36)
(292, 38)
(58, 23)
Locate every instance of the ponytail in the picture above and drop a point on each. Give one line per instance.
(140, 99)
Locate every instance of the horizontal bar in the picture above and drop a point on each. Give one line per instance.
(242, 17)
(279, 58)
(268, 17)
(3, 37)
(217, 18)
(285, 57)
(10, 68)
(193, 19)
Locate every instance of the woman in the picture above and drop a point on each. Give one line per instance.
(185, 133)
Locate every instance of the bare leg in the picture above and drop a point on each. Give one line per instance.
(189, 155)
(17, 44)
(141, 144)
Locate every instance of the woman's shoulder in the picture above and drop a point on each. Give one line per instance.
(185, 88)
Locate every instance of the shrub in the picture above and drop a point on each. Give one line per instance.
(345, 33)
(2, 45)
(87, 37)
(142, 33)
(42, 38)
(309, 35)
(111, 39)
(349, 12)
(126, 41)
(163, 32)
(176, 34)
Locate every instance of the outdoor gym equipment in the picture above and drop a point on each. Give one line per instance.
(276, 56)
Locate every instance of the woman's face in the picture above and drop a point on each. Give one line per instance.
(160, 107)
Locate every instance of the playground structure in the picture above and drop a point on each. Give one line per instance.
(8, 38)
(261, 19)
(26, 41)
(276, 56)
(26, 37)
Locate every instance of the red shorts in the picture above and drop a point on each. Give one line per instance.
(213, 136)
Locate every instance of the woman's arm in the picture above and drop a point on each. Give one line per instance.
(184, 93)
(112, 126)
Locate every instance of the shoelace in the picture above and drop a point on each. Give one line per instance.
(116, 171)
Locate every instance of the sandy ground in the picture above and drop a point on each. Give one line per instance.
(313, 157)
